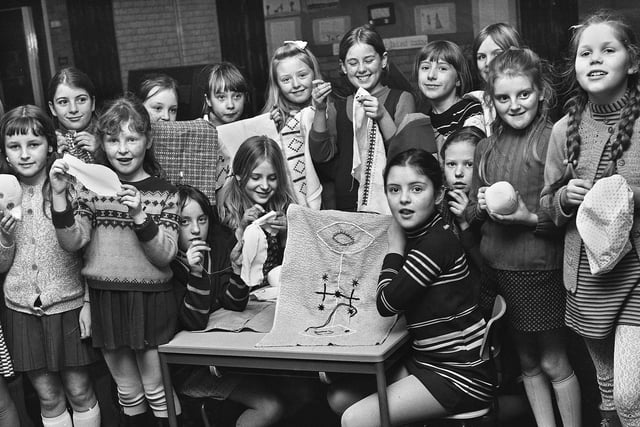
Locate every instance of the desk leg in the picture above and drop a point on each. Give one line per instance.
(381, 380)
(166, 380)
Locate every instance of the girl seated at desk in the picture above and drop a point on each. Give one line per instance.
(425, 276)
(206, 282)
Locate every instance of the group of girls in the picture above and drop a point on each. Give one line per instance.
(80, 265)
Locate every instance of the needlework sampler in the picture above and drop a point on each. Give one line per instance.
(329, 277)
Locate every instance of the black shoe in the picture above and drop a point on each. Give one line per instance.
(140, 420)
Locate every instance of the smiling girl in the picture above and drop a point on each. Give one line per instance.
(128, 242)
(159, 95)
(523, 255)
(597, 138)
(443, 77)
(364, 60)
(72, 102)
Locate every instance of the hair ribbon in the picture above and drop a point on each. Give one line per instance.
(297, 43)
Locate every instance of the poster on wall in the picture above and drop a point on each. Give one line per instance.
(330, 30)
(439, 18)
(275, 8)
(279, 30)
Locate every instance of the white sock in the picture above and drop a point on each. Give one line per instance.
(90, 418)
(568, 397)
(62, 420)
(538, 392)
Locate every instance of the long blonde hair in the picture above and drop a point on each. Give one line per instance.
(250, 154)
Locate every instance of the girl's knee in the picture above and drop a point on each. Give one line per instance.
(81, 396)
(339, 399)
(556, 366)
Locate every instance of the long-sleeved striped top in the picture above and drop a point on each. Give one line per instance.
(433, 287)
(218, 287)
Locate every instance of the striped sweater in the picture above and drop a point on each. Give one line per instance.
(218, 287)
(432, 286)
(118, 255)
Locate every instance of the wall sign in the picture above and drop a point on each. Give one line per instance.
(382, 14)
(439, 18)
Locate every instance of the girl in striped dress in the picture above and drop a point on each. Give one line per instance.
(425, 276)
(597, 138)
(522, 249)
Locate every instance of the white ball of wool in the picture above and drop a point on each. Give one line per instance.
(501, 198)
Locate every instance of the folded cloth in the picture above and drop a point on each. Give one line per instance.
(604, 221)
(369, 159)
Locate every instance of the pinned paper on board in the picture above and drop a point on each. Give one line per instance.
(97, 178)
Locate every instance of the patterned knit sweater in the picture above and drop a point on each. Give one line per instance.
(432, 286)
(38, 268)
(118, 255)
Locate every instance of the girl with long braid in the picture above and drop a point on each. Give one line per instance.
(597, 138)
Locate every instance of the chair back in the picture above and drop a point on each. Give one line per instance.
(490, 345)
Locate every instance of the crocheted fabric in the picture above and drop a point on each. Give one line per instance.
(327, 295)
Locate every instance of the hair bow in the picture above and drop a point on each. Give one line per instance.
(297, 43)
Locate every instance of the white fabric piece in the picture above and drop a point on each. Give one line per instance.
(254, 254)
(97, 178)
(369, 159)
(329, 278)
(11, 195)
(604, 221)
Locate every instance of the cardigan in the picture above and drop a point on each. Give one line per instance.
(42, 278)
(515, 247)
(118, 255)
(594, 135)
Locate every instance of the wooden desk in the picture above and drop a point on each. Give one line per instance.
(238, 350)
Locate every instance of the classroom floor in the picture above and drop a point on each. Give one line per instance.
(315, 412)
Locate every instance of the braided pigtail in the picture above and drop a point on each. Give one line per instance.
(628, 119)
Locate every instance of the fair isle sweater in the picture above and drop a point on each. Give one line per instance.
(118, 255)
(42, 278)
(431, 284)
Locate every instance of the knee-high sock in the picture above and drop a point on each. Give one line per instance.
(90, 418)
(568, 398)
(62, 420)
(539, 394)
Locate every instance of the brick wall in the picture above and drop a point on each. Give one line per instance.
(165, 33)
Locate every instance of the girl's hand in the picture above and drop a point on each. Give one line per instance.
(276, 116)
(576, 190)
(130, 197)
(236, 258)
(372, 107)
(85, 321)
(251, 214)
(59, 178)
(482, 200)
(8, 225)
(458, 201)
(319, 94)
(86, 141)
(522, 215)
(278, 223)
(396, 237)
(195, 256)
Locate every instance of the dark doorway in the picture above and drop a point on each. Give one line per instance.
(243, 43)
(94, 45)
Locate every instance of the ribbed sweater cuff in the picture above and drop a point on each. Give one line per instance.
(147, 231)
(63, 219)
